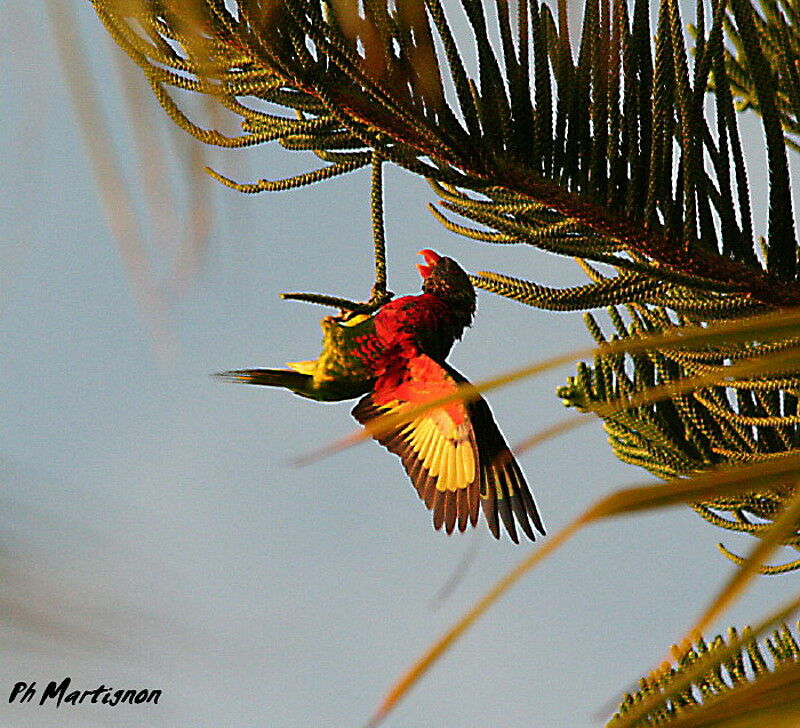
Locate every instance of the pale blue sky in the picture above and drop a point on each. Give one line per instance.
(152, 531)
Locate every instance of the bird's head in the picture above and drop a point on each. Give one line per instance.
(445, 278)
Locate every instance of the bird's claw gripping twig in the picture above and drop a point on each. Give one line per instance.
(378, 297)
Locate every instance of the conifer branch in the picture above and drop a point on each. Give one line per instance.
(568, 150)
(755, 666)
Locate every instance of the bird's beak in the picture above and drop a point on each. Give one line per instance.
(431, 259)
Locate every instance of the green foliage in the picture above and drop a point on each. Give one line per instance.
(752, 665)
(745, 421)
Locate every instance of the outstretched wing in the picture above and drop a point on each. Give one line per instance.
(455, 455)
(504, 491)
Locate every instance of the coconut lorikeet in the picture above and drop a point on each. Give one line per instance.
(455, 455)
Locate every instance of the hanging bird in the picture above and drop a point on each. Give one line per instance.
(455, 455)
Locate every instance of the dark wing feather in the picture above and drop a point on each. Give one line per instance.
(503, 488)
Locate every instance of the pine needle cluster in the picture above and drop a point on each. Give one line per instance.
(728, 685)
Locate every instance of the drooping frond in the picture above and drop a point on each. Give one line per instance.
(606, 151)
(648, 181)
(352, 77)
(737, 686)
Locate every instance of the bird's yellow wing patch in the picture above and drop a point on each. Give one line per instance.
(443, 448)
(456, 456)
(437, 448)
